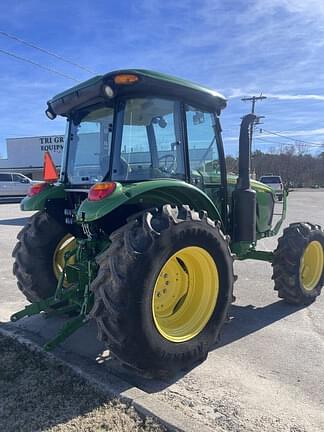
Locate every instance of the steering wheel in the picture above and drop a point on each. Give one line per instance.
(169, 162)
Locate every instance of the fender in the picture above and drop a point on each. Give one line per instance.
(38, 202)
(150, 193)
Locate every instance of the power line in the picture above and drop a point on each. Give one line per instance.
(59, 57)
(291, 138)
(271, 141)
(285, 144)
(281, 144)
(38, 65)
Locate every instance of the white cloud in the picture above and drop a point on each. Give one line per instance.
(239, 93)
(296, 97)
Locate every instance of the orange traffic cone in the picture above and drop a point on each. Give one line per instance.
(49, 169)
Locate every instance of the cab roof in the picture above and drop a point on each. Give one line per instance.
(149, 83)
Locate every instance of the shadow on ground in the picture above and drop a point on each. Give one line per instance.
(10, 200)
(15, 222)
(244, 320)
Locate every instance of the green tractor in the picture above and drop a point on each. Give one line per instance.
(140, 231)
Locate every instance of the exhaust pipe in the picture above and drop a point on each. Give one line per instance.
(244, 198)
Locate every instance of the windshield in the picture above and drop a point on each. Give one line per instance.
(151, 144)
(89, 147)
(270, 179)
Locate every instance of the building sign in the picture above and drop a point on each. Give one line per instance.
(52, 144)
(29, 152)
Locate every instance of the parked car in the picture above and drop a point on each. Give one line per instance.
(275, 183)
(14, 185)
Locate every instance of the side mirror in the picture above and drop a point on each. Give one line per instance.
(24, 180)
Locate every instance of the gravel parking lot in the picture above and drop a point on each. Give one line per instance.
(268, 373)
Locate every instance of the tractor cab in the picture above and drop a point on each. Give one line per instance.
(137, 126)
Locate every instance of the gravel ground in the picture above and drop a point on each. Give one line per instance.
(39, 395)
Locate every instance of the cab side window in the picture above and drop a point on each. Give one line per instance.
(202, 147)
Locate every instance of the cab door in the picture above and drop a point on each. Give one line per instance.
(206, 158)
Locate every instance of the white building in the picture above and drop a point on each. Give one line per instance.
(26, 155)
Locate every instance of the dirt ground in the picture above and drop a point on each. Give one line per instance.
(39, 395)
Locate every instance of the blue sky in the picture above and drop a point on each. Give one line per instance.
(240, 48)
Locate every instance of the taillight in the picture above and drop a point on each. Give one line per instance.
(36, 188)
(100, 191)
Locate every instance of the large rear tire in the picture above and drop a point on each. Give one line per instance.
(298, 264)
(34, 256)
(163, 290)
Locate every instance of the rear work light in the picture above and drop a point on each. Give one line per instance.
(36, 188)
(100, 191)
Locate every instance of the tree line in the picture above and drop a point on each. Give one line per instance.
(295, 169)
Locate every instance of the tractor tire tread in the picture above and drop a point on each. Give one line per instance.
(286, 263)
(112, 293)
(32, 256)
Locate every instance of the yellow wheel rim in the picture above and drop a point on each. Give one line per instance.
(185, 294)
(312, 264)
(67, 243)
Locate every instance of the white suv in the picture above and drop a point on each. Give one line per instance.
(14, 184)
(275, 183)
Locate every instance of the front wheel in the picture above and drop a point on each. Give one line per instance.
(298, 264)
(163, 289)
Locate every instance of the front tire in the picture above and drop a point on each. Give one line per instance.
(163, 290)
(298, 264)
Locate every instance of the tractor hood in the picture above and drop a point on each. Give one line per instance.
(256, 185)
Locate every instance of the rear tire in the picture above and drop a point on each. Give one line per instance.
(127, 316)
(298, 264)
(33, 265)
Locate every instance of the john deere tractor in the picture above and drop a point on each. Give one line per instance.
(140, 230)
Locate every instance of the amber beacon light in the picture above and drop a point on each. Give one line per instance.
(100, 191)
(125, 79)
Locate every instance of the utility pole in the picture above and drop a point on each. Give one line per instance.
(253, 99)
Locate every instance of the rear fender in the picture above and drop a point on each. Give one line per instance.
(38, 202)
(148, 194)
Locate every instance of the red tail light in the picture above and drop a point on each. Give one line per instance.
(100, 191)
(36, 188)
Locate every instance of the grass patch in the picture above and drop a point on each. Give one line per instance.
(39, 395)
